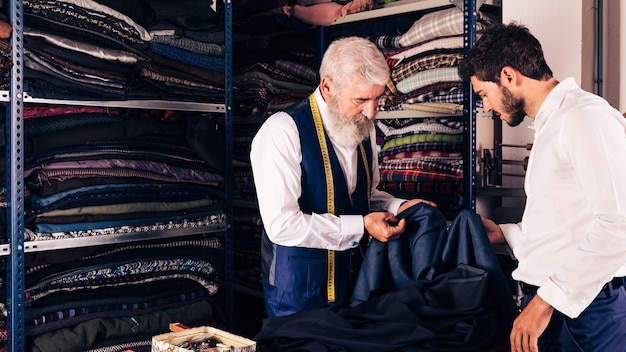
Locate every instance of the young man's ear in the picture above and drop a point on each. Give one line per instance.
(508, 76)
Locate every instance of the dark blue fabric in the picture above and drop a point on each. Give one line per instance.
(433, 289)
(428, 250)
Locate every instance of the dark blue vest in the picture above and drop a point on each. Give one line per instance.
(295, 278)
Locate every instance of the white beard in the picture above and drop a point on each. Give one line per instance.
(347, 131)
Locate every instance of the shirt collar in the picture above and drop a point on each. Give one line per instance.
(553, 102)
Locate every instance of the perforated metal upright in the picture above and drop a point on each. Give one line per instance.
(15, 185)
(469, 107)
(229, 165)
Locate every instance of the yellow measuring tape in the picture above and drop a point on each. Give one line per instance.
(330, 191)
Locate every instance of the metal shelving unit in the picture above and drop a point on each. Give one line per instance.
(16, 248)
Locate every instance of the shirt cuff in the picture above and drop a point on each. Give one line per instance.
(552, 294)
(353, 229)
(512, 233)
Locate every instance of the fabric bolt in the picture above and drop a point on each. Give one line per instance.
(150, 170)
(409, 67)
(425, 125)
(88, 333)
(186, 223)
(78, 47)
(87, 13)
(278, 74)
(415, 176)
(297, 69)
(442, 23)
(75, 71)
(194, 46)
(422, 138)
(453, 96)
(425, 146)
(453, 167)
(428, 77)
(69, 317)
(128, 209)
(443, 188)
(184, 70)
(390, 100)
(273, 85)
(386, 41)
(442, 108)
(116, 222)
(214, 63)
(35, 63)
(453, 42)
(114, 194)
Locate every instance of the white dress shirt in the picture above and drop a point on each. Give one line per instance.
(572, 237)
(275, 156)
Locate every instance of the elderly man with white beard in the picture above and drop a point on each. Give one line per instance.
(316, 174)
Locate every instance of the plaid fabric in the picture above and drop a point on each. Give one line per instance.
(442, 108)
(410, 67)
(428, 77)
(386, 41)
(417, 154)
(278, 73)
(452, 95)
(443, 188)
(433, 25)
(415, 176)
(422, 138)
(455, 42)
(297, 69)
(391, 101)
(194, 46)
(422, 147)
(453, 167)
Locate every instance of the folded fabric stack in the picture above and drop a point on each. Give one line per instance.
(114, 298)
(423, 159)
(93, 172)
(112, 50)
(272, 73)
(97, 171)
(424, 61)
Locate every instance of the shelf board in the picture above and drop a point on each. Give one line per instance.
(400, 7)
(66, 243)
(393, 8)
(131, 104)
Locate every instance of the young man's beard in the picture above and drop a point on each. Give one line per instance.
(513, 107)
(347, 131)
